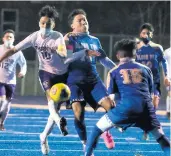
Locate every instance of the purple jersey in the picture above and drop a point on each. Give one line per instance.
(8, 66)
(47, 50)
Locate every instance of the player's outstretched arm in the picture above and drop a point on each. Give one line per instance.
(7, 54)
(106, 61)
(23, 65)
(80, 55)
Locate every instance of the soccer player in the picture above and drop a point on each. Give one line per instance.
(8, 74)
(134, 82)
(151, 55)
(84, 81)
(51, 51)
(167, 55)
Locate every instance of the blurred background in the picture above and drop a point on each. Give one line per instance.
(110, 21)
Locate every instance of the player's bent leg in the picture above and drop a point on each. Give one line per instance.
(107, 104)
(61, 122)
(162, 140)
(102, 125)
(78, 109)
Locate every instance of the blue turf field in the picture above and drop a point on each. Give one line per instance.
(24, 126)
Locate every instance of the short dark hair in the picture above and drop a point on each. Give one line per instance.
(74, 13)
(147, 26)
(49, 11)
(9, 31)
(125, 48)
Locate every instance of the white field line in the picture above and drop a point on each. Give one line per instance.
(107, 151)
(87, 108)
(78, 142)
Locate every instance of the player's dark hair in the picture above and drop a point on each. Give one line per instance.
(75, 13)
(9, 31)
(147, 26)
(49, 11)
(125, 48)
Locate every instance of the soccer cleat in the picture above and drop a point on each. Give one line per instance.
(146, 136)
(44, 145)
(63, 126)
(2, 128)
(108, 139)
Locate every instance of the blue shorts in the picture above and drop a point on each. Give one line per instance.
(134, 112)
(7, 90)
(91, 93)
(47, 79)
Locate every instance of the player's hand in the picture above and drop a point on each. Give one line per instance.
(93, 53)
(167, 82)
(20, 75)
(66, 37)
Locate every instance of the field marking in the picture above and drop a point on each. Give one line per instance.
(87, 108)
(97, 150)
(79, 142)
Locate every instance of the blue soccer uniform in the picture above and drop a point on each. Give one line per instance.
(134, 82)
(84, 80)
(151, 55)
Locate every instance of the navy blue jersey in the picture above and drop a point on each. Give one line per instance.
(130, 79)
(84, 70)
(151, 55)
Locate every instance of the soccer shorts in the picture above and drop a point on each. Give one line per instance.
(134, 112)
(91, 93)
(7, 90)
(47, 79)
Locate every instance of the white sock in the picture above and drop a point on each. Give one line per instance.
(104, 123)
(168, 103)
(5, 108)
(48, 128)
(53, 111)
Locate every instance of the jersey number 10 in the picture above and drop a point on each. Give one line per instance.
(131, 76)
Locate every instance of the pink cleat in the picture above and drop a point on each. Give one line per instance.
(108, 139)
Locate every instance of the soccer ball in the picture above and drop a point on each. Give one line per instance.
(60, 92)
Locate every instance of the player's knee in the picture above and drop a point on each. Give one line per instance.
(3, 97)
(106, 103)
(78, 111)
(157, 132)
(164, 142)
(76, 106)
